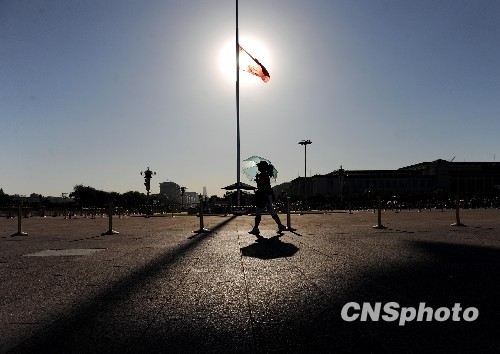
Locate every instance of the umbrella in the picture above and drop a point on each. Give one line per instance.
(250, 168)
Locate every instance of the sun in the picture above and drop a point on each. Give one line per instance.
(227, 59)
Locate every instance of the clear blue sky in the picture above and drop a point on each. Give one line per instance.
(93, 92)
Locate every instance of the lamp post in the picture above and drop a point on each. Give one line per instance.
(341, 185)
(183, 191)
(305, 143)
(148, 174)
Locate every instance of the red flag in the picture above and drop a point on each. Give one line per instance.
(253, 66)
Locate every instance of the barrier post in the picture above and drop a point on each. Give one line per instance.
(288, 216)
(19, 221)
(457, 223)
(202, 226)
(379, 225)
(110, 231)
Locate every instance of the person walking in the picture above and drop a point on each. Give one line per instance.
(264, 197)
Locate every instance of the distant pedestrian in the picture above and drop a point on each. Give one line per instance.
(264, 197)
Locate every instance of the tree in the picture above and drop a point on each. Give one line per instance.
(133, 199)
(5, 199)
(88, 196)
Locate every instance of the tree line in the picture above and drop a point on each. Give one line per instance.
(89, 197)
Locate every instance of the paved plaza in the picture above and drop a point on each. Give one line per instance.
(158, 287)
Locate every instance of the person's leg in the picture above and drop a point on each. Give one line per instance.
(258, 217)
(275, 216)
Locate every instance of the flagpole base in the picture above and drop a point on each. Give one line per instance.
(110, 232)
(457, 224)
(380, 227)
(20, 233)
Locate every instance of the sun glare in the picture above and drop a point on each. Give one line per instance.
(227, 59)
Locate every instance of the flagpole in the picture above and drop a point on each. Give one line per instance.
(237, 111)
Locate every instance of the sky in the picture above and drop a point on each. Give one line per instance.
(93, 92)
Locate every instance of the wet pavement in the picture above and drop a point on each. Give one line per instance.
(158, 287)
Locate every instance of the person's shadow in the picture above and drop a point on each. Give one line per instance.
(269, 248)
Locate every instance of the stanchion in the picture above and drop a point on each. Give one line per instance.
(379, 225)
(458, 223)
(288, 217)
(202, 226)
(19, 222)
(110, 231)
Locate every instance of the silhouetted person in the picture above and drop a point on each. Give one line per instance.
(264, 197)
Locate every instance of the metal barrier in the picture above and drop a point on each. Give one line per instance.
(202, 228)
(110, 231)
(457, 212)
(379, 224)
(288, 217)
(19, 222)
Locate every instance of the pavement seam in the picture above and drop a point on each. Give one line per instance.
(180, 283)
(133, 278)
(304, 275)
(154, 319)
(247, 294)
(315, 250)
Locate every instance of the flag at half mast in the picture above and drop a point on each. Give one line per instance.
(253, 66)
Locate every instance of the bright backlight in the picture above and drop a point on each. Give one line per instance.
(227, 59)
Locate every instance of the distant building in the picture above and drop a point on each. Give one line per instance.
(60, 200)
(171, 190)
(465, 178)
(282, 189)
(33, 198)
(190, 198)
(469, 178)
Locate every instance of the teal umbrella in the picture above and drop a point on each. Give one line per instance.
(250, 168)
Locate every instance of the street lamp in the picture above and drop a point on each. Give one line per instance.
(341, 185)
(305, 143)
(183, 190)
(148, 174)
